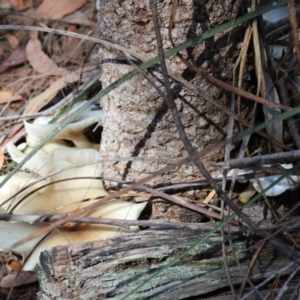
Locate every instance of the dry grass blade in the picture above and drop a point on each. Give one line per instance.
(291, 122)
(224, 85)
(226, 110)
(270, 278)
(294, 28)
(125, 224)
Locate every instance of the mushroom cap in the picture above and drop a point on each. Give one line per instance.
(12, 232)
(41, 128)
(279, 188)
(56, 197)
(63, 176)
(62, 197)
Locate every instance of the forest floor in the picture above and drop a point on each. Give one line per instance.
(31, 66)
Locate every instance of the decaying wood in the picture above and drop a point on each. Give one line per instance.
(111, 269)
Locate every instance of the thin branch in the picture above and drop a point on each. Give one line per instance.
(285, 157)
(294, 28)
(270, 278)
(285, 286)
(161, 194)
(32, 219)
(103, 41)
(291, 122)
(292, 224)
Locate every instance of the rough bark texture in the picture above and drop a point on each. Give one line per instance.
(111, 269)
(137, 122)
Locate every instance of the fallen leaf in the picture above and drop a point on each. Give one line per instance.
(269, 92)
(69, 44)
(13, 41)
(79, 18)
(56, 10)
(2, 158)
(19, 4)
(18, 133)
(7, 96)
(265, 86)
(17, 57)
(1, 51)
(39, 60)
(15, 279)
(36, 103)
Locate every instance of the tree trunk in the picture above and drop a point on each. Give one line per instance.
(137, 121)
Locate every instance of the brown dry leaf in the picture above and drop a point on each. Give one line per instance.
(39, 60)
(269, 92)
(2, 159)
(19, 4)
(17, 57)
(69, 44)
(15, 279)
(68, 39)
(13, 41)
(266, 87)
(1, 50)
(15, 134)
(78, 18)
(50, 9)
(7, 96)
(36, 103)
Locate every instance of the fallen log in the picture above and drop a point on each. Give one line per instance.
(111, 269)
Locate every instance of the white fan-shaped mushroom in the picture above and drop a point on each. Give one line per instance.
(66, 189)
(41, 128)
(70, 233)
(61, 198)
(279, 188)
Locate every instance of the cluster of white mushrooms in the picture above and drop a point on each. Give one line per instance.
(60, 193)
(287, 183)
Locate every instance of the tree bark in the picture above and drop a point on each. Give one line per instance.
(137, 121)
(111, 269)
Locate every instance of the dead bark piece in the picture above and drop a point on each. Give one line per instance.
(137, 121)
(111, 269)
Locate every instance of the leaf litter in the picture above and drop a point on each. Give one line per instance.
(46, 53)
(37, 69)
